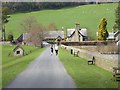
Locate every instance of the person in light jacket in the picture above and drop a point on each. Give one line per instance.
(56, 49)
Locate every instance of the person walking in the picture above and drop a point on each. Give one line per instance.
(51, 50)
(56, 49)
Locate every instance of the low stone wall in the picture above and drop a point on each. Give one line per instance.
(5, 43)
(106, 62)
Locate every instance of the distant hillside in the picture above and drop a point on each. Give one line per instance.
(88, 16)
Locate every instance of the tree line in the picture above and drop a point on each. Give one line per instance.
(34, 6)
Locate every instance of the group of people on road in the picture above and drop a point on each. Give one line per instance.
(54, 47)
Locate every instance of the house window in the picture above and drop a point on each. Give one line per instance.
(18, 52)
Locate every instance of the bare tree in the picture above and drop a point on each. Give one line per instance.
(28, 22)
(37, 34)
(36, 31)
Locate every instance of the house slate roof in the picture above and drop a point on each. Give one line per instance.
(70, 32)
(17, 48)
(111, 35)
(82, 32)
(26, 36)
(55, 34)
(20, 38)
(49, 35)
(117, 33)
(23, 37)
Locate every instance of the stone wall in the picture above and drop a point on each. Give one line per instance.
(106, 62)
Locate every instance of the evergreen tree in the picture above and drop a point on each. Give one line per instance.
(102, 31)
(10, 37)
(5, 16)
(116, 27)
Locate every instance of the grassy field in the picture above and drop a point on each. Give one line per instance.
(12, 66)
(84, 75)
(88, 16)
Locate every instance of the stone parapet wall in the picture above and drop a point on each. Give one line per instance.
(106, 62)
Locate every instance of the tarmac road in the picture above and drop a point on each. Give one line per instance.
(46, 71)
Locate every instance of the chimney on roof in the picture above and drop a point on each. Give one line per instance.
(77, 26)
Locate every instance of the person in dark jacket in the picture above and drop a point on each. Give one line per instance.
(51, 49)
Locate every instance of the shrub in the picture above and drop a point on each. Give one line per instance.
(10, 37)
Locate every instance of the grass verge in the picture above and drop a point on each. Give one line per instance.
(84, 75)
(12, 66)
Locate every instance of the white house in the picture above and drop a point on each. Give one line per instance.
(76, 34)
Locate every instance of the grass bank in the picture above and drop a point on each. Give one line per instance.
(84, 75)
(88, 16)
(12, 66)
